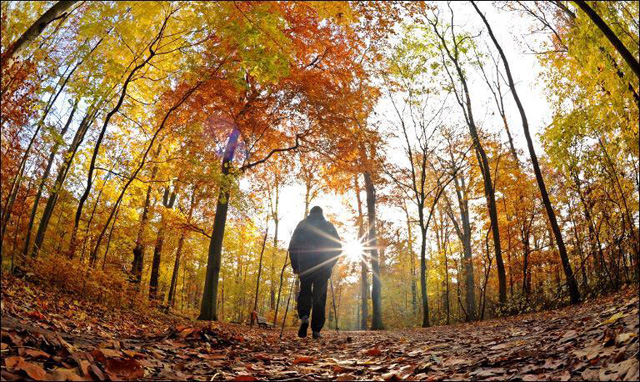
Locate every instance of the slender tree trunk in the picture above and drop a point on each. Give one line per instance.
(43, 181)
(468, 256)
(423, 278)
(376, 291)
(139, 249)
(56, 12)
(107, 119)
(364, 282)
(208, 306)
(255, 301)
(17, 180)
(611, 36)
(446, 280)
(113, 226)
(62, 175)
(275, 317)
(167, 202)
(412, 265)
(272, 268)
(483, 162)
(176, 265)
(573, 286)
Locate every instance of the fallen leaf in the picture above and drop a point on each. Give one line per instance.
(127, 368)
(245, 377)
(552, 364)
(95, 370)
(186, 332)
(340, 369)
(62, 374)
(613, 318)
(36, 353)
(590, 375)
(623, 338)
(12, 362)
(391, 376)
(102, 354)
(374, 352)
(212, 356)
(34, 371)
(303, 359)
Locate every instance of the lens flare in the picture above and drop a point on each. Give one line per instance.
(353, 250)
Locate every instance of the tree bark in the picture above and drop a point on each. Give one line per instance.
(105, 124)
(255, 301)
(272, 267)
(62, 175)
(574, 293)
(483, 162)
(208, 306)
(611, 36)
(43, 181)
(376, 290)
(465, 237)
(57, 11)
(17, 180)
(167, 202)
(364, 282)
(176, 265)
(139, 249)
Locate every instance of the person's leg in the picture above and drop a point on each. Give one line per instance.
(305, 300)
(319, 303)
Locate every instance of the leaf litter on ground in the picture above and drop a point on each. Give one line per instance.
(46, 336)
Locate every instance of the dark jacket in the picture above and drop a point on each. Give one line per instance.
(315, 247)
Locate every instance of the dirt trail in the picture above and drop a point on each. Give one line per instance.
(597, 340)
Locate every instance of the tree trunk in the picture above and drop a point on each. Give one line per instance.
(364, 282)
(43, 181)
(466, 244)
(376, 291)
(423, 278)
(167, 202)
(275, 317)
(611, 36)
(272, 268)
(57, 11)
(208, 306)
(62, 175)
(139, 249)
(113, 226)
(255, 301)
(573, 286)
(176, 265)
(96, 148)
(446, 280)
(483, 162)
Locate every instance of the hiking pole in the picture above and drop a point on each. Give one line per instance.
(335, 311)
(284, 320)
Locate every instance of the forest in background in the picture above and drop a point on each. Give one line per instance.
(145, 147)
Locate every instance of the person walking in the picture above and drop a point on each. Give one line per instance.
(314, 249)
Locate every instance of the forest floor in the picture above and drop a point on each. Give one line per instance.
(50, 336)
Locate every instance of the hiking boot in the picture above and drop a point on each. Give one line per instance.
(304, 325)
(316, 335)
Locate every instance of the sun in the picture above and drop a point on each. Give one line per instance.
(353, 250)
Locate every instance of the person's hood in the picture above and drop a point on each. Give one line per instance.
(316, 215)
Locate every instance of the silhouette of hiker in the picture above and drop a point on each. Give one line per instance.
(314, 250)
